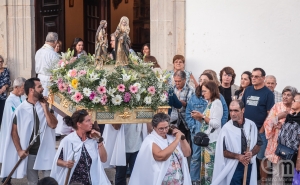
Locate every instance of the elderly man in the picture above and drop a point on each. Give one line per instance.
(231, 151)
(184, 92)
(12, 102)
(30, 119)
(271, 83)
(44, 58)
(258, 101)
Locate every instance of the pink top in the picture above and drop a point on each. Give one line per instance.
(272, 132)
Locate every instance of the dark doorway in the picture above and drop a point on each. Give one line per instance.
(49, 17)
(94, 12)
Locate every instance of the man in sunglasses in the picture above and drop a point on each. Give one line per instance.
(32, 124)
(259, 100)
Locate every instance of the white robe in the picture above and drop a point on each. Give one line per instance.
(11, 103)
(148, 171)
(114, 141)
(224, 168)
(25, 123)
(97, 173)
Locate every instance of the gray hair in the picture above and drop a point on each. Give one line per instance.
(18, 82)
(180, 74)
(271, 76)
(160, 117)
(239, 102)
(51, 37)
(291, 89)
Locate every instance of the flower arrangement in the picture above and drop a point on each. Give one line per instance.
(128, 87)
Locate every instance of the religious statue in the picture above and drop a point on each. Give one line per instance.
(101, 44)
(122, 42)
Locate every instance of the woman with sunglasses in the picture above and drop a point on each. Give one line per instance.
(81, 152)
(162, 157)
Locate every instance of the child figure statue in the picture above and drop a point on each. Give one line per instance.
(101, 45)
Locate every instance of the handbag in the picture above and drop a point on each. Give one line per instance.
(296, 178)
(283, 151)
(202, 139)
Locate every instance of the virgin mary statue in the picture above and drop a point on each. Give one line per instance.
(122, 42)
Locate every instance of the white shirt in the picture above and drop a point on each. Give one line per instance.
(133, 137)
(44, 57)
(216, 113)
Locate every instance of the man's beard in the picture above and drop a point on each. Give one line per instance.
(38, 95)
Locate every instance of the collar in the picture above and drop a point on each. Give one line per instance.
(48, 46)
(184, 87)
(30, 102)
(236, 124)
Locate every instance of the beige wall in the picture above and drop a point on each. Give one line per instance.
(74, 24)
(124, 9)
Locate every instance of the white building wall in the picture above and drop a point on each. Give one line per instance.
(245, 35)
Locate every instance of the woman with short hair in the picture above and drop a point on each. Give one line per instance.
(162, 157)
(82, 152)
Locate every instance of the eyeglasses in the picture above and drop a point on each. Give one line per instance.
(253, 76)
(161, 129)
(296, 100)
(81, 112)
(178, 62)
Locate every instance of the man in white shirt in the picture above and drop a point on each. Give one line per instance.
(271, 83)
(44, 57)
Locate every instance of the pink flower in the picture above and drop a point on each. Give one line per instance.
(60, 62)
(69, 89)
(60, 81)
(73, 73)
(66, 86)
(133, 89)
(103, 100)
(81, 73)
(151, 90)
(92, 95)
(77, 97)
(121, 87)
(101, 90)
(61, 87)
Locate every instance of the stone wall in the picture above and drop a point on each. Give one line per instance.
(167, 24)
(17, 36)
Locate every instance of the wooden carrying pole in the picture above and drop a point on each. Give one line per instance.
(248, 149)
(20, 160)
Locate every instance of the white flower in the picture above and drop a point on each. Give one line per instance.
(126, 77)
(62, 64)
(141, 90)
(96, 99)
(161, 78)
(134, 77)
(93, 76)
(163, 97)
(117, 100)
(138, 97)
(148, 100)
(111, 92)
(103, 82)
(138, 85)
(87, 91)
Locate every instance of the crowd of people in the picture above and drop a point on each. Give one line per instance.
(246, 127)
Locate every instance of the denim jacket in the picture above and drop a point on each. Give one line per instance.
(198, 104)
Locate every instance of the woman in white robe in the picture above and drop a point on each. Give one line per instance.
(81, 153)
(162, 157)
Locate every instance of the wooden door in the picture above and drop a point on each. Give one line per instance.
(94, 12)
(49, 17)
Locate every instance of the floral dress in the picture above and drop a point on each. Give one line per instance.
(174, 175)
(207, 155)
(81, 173)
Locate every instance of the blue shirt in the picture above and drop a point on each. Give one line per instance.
(257, 104)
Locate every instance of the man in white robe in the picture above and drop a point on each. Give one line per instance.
(30, 118)
(15, 98)
(231, 150)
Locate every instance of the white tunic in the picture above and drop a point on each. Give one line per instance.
(224, 168)
(114, 141)
(46, 152)
(11, 103)
(97, 173)
(148, 171)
